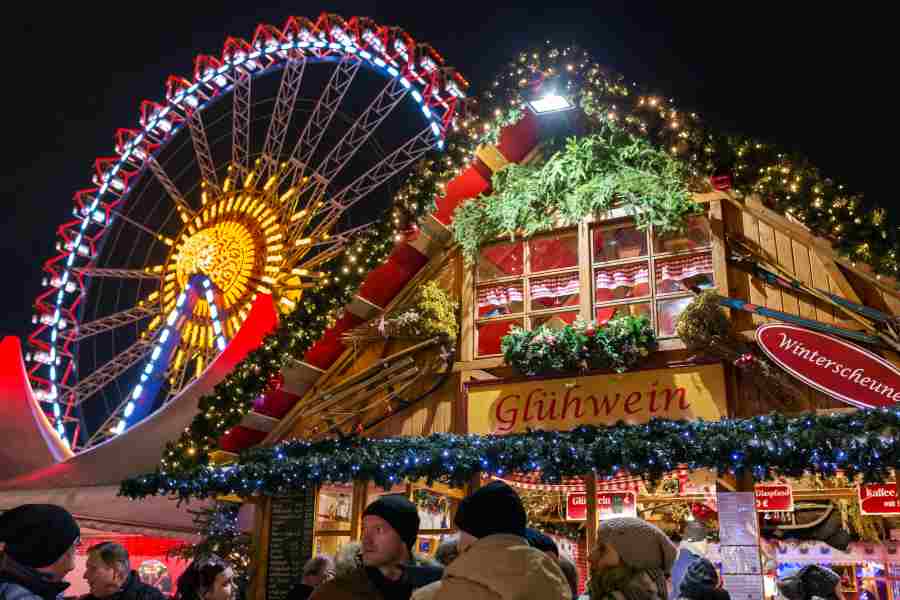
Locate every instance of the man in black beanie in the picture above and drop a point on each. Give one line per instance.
(495, 560)
(39, 542)
(388, 570)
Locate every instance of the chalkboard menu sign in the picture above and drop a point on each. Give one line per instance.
(290, 541)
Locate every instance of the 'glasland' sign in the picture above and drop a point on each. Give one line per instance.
(564, 403)
(774, 497)
(831, 365)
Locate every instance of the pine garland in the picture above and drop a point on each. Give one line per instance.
(586, 176)
(787, 182)
(864, 443)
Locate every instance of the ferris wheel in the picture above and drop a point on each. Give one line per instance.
(242, 182)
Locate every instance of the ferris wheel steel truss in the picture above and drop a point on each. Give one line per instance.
(412, 70)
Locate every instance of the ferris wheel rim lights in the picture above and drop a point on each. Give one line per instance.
(317, 50)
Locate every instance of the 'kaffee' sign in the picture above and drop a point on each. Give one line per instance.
(774, 497)
(564, 403)
(609, 505)
(878, 499)
(831, 365)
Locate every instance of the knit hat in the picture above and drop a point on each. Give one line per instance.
(541, 541)
(494, 508)
(699, 580)
(400, 513)
(37, 535)
(639, 544)
(811, 580)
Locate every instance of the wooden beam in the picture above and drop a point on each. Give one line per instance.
(478, 364)
(480, 375)
(590, 490)
(838, 276)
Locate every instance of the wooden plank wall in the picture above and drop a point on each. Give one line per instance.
(797, 258)
(805, 264)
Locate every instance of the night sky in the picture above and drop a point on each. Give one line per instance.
(815, 80)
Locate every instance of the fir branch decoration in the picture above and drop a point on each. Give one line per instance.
(431, 313)
(617, 346)
(864, 443)
(219, 536)
(586, 176)
(787, 182)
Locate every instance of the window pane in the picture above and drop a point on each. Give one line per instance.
(669, 310)
(434, 509)
(554, 320)
(622, 281)
(500, 299)
(554, 291)
(671, 273)
(613, 242)
(607, 313)
(329, 544)
(489, 335)
(554, 251)
(695, 236)
(501, 260)
(335, 508)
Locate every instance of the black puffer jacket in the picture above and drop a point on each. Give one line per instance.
(134, 589)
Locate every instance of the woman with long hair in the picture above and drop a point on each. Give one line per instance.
(206, 579)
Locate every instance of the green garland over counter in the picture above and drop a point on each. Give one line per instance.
(864, 443)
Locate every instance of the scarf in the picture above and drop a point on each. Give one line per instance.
(627, 582)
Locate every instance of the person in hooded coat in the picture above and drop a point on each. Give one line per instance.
(38, 550)
(701, 581)
(811, 582)
(630, 561)
(495, 560)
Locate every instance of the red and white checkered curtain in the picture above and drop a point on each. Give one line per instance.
(623, 276)
(556, 286)
(678, 269)
(500, 295)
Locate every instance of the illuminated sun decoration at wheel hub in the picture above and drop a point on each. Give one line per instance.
(238, 239)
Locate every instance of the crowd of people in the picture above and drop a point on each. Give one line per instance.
(494, 556)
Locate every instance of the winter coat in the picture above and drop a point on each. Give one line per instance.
(502, 567)
(18, 582)
(686, 556)
(361, 583)
(134, 589)
(641, 586)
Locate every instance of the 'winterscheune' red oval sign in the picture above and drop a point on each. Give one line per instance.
(831, 365)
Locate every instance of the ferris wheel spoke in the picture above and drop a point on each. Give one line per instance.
(110, 322)
(120, 215)
(96, 381)
(355, 137)
(186, 212)
(119, 273)
(202, 151)
(320, 119)
(107, 429)
(240, 124)
(414, 149)
(281, 116)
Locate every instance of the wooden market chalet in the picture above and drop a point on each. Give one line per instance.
(365, 384)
